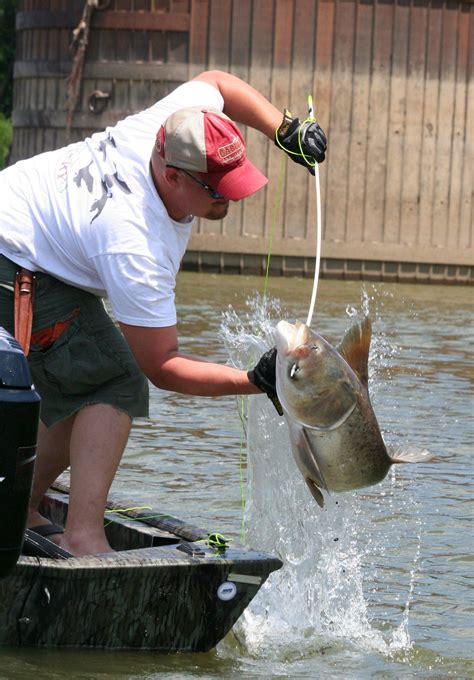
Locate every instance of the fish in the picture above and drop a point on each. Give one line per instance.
(335, 437)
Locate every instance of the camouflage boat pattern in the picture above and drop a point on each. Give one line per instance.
(164, 589)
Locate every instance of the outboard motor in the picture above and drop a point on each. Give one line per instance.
(19, 418)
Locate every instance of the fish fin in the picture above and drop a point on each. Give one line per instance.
(355, 346)
(306, 462)
(315, 492)
(409, 455)
(316, 474)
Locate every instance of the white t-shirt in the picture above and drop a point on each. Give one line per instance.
(89, 214)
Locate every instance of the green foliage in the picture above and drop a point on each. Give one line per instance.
(7, 54)
(5, 139)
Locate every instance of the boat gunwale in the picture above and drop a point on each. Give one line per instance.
(148, 557)
(140, 558)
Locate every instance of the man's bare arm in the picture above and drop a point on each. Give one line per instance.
(156, 351)
(243, 103)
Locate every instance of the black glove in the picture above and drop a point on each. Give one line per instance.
(291, 134)
(263, 377)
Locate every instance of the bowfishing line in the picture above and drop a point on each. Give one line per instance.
(318, 226)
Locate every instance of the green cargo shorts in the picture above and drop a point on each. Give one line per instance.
(89, 363)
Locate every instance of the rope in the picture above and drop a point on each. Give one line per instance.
(276, 209)
(312, 119)
(241, 468)
(80, 40)
(312, 164)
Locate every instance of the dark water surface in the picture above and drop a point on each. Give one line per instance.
(379, 586)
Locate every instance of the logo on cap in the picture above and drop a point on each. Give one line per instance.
(231, 152)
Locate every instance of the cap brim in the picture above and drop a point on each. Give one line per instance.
(238, 183)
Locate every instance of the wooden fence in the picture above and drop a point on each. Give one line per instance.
(392, 88)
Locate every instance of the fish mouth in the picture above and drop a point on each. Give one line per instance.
(290, 336)
(312, 382)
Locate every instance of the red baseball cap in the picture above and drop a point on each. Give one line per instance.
(209, 143)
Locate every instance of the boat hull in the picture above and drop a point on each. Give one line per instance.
(177, 596)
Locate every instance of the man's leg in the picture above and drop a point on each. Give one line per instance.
(51, 460)
(92, 441)
(98, 439)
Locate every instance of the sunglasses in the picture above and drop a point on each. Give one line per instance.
(212, 193)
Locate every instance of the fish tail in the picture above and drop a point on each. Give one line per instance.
(410, 455)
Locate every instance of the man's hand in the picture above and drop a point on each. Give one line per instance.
(305, 143)
(263, 376)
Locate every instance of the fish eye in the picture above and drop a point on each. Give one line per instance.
(294, 370)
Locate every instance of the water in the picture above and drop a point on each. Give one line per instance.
(377, 584)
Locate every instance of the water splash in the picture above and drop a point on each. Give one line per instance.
(336, 586)
(246, 338)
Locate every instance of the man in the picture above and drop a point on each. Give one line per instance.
(101, 218)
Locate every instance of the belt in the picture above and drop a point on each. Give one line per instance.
(24, 291)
